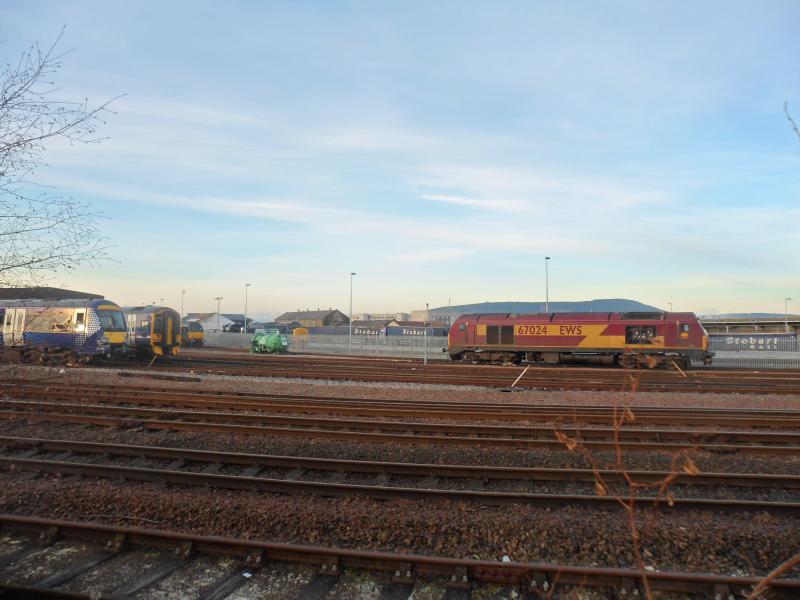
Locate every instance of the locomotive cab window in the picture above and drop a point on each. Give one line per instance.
(640, 334)
(80, 324)
(685, 328)
(462, 327)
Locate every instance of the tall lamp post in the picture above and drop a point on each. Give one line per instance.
(218, 299)
(786, 314)
(350, 318)
(244, 330)
(546, 285)
(183, 293)
(427, 322)
(670, 306)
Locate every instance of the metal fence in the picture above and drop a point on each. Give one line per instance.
(228, 340)
(375, 345)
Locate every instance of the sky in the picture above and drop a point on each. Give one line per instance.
(440, 150)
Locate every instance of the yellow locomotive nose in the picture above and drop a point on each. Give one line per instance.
(115, 337)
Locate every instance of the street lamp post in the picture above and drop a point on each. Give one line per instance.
(350, 318)
(244, 330)
(546, 285)
(183, 293)
(218, 299)
(786, 314)
(670, 306)
(427, 321)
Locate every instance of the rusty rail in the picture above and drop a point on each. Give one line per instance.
(391, 468)
(527, 577)
(475, 432)
(365, 369)
(169, 422)
(772, 419)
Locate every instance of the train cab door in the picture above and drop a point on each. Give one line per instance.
(14, 325)
(682, 334)
(169, 333)
(131, 329)
(19, 327)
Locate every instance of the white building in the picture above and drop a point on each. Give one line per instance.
(210, 321)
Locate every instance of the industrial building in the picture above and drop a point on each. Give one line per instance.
(315, 318)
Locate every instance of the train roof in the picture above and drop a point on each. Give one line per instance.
(150, 308)
(590, 316)
(70, 303)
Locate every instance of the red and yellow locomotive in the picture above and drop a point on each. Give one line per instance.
(628, 339)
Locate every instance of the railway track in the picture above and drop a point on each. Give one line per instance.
(341, 406)
(61, 456)
(380, 370)
(109, 547)
(596, 438)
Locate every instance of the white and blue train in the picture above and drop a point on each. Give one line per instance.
(87, 328)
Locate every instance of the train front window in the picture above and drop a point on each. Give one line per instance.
(111, 320)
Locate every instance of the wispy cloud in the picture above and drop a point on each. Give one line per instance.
(489, 204)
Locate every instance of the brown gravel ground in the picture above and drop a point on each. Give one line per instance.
(683, 541)
(422, 392)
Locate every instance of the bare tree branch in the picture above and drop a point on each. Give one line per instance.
(791, 120)
(40, 231)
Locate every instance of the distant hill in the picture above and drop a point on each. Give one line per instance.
(746, 316)
(604, 305)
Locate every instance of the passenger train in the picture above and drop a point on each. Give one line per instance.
(152, 330)
(86, 328)
(192, 334)
(628, 339)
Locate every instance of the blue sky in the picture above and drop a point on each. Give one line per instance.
(438, 149)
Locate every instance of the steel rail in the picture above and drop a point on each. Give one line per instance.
(324, 361)
(462, 375)
(689, 436)
(325, 489)
(395, 468)
(497, 380)
(530, 577)
(406, 438)
(372, 362)
(204, 391)
(460, 411)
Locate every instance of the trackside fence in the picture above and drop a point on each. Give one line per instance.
(228, 340)
(372, 345)
(753, 360)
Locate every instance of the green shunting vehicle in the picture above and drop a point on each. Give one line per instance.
(268, 341)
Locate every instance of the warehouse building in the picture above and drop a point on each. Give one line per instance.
(315, 318)
(210, 321)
